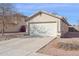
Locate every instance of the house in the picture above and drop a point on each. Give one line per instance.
(74, 28)
(12, 23)
(43, 23)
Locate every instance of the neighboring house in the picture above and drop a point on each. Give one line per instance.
(13, 23)
(45, 24)
(74, 28)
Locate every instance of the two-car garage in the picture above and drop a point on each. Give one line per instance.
(43, 29)
(46, 24)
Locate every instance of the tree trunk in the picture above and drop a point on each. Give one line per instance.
(3, 27)
(3, 24)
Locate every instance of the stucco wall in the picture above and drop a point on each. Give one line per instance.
(59, 27)
(0, 27)
(46, 18)
(14, 25)
(43, 18)
(14, 28)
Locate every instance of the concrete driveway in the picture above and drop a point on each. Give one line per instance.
(23, 46)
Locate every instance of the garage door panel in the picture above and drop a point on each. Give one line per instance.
(43, 29)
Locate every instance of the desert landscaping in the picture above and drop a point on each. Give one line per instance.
(68, 46)
(38, 32)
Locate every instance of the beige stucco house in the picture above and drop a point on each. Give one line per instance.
(12, 23)
(43, 23)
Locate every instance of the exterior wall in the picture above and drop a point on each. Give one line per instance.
(59, 28)
(0, 27)
(13, 25)
(64, 28)
(43, 18)
(27, 30)
(46, 18)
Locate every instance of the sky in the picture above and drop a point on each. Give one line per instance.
(68, 10)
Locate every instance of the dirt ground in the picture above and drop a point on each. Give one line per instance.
(51, 50)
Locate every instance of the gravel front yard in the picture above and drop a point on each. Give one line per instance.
(52, 50)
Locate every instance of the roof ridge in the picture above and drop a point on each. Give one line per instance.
(42, 11)
(51, 14)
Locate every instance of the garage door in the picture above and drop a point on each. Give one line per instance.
(43, 29)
